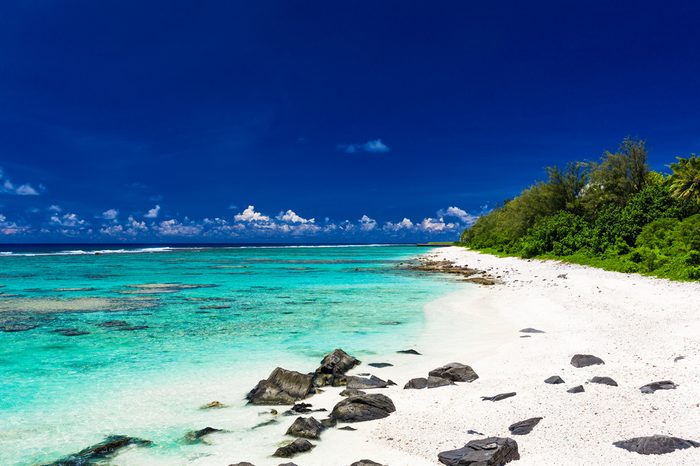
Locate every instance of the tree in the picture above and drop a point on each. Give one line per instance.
(685, 180)
(616, 177)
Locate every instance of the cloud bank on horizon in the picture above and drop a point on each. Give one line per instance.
(247, 225)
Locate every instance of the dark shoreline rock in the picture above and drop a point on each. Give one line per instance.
(409, 351)
(306, 427)
(333, 368)
(380, 365)
(576, 389)
(603, 381)
(585, 360)
(531, 330)
(661, 385)
(524, 427)
(655, 444)
(363, 408)
(100, 451)
(297, 446)
(490, 451)
(499, 397)
(555, 379)
(363, 383)
(431, 382)
(282, 387)
(455, 372)
(195, 436)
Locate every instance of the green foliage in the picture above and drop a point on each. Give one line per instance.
(616, 177)
(685, 181)
(614, 214)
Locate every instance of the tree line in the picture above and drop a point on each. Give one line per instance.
(613, 213)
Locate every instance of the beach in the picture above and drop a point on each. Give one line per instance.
(645, 330)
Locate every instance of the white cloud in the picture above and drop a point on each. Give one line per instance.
(55, 208)
(456, 212)
(405, 224)
(432, 225)
(153, 213)
(11, 228)
(291, 217)
(110, 214)
(26, 190)
(8, 187)
(250, 215)
(367, 224)
(69, 220)
(374, 146)
(174, 227)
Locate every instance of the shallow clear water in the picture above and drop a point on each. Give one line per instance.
(201, 324)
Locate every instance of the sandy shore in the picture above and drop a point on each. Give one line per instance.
(637, 325)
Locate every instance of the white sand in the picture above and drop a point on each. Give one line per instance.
(638, 325)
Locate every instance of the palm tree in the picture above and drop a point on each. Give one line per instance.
(685, 180)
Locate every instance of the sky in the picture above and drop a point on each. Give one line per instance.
(318, 121)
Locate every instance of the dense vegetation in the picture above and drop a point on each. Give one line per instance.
(614, 213)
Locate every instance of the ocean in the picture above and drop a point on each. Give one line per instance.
(98, 340)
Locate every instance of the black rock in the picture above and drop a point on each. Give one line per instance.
(604, 381)
(363, 408)
(244, 463)
(333, 368)
(524, 427)
(473, 432)
(435, 382)
(347, 428)
(195, 436)
(366, 463)
(655, 444)
(662, 385)
(351, 392)
(499, 397)
(576, 389)
(418, 383)
(455, 372)
(360, 383)
(409, 351)
(307, 427)
(70, 332)
(380, 364)
(555, 379)
(584, 360)
(302, 408)
(297, 446)
(491, 451)
(678, 358)
(328, 423)
(287, 464)
(531, 330)
(100, 451)
(282, 387)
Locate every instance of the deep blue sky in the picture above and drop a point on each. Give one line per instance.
(335, 110)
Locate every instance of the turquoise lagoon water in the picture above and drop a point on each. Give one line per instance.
(197, 325)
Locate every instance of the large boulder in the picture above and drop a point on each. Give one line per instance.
(555, 379)
(455, 372)
(363, 408)
(363, 383)
(585, 360)
(655, 444)
(431, 382)
(333, 368)
(297, 446)
(307, 427)
(282, 387)
(101, 451)
(491, 451)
